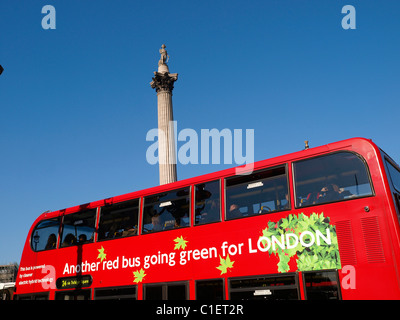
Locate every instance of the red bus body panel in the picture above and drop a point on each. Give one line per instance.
(368, 241)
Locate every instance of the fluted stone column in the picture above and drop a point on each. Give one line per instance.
(163, 82)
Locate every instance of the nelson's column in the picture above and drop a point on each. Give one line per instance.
(163, 82)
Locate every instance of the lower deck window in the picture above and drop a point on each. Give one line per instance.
(154, 292)
(166, 291)
(277, 287)
(322, 285)
(73, 295)
(210, 289)
(118, 293)
(35, 296)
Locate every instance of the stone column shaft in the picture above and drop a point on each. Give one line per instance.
(166, 138)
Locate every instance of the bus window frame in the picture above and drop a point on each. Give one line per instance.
(75, 292)
(58, 234)
(164, 288)
(393, 190)
(99, 209)
(282, 165)
(61, 231)
(296, 284)
(32, 296)
(389, 175)
(368, 172)
(125, 296)
(193, 204)
(143, 204)
(212, 279)
(338, 284)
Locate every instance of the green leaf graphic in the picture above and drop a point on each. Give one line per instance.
(101, 255)
(139, 275)
(180, 243)
(314, 257)
(225, 264)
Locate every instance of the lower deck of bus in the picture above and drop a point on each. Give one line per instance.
(311, 285)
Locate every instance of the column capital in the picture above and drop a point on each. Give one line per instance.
(163, 81)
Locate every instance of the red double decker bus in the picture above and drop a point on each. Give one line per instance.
(322, 223)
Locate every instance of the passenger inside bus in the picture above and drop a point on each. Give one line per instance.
(234, 212)
(129, 231)
(335, 177)
(207, 202)
(329, 193)
(156, 223)
(207, 212)
(51, 242)
(69, 240)
(82, 238)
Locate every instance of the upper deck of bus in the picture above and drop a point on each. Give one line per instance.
(361, 146)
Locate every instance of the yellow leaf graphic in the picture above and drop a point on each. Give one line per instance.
(180, 243)
(101, 255)
(139, 275)
(225, 264)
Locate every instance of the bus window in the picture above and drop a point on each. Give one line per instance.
(261, 192)
(321, 285)
(73, 295)
(35, 296)
(116, 293)
(153, 292)
(119, 220)
(394, 175)
(78, 228)
(210, 289)
(334, 177)
(166, 291)
(45, 235)
(275, 287)
(207, 203)
(165, 211)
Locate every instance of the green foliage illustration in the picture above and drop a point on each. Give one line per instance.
(311, 256)
(180, 243)
(102, 255)
(225, 264)
(138, 275)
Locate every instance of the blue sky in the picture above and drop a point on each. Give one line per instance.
(76, 103)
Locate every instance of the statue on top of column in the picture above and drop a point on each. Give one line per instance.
(163, 80)
(164, 55)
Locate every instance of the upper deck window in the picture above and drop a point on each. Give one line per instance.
(207, 199)
(78, 228)
(119, 220)
(45, 235)
(165, 211)
(394, 175)
(261, 192)
(334, 177)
